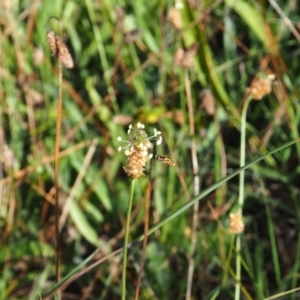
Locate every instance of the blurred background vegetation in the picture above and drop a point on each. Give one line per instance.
(128, 70)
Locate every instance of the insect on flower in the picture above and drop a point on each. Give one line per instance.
(138, 148)
(166, 160)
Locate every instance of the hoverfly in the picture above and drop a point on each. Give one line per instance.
(166, 160)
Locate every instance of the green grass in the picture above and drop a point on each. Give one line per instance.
(115, 84)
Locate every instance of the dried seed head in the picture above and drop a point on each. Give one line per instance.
(175, 18)
(236, 223)
(65, 55)
(51, 40)
(185, 58)
(59, 49)
(208, 101)
(190, 53)
(260, 87)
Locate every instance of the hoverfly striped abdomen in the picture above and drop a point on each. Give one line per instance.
(165, 160)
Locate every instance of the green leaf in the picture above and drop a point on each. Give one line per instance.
(83, 225)
(251, 16)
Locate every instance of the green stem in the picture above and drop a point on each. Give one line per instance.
(241, 197)
(127, 227)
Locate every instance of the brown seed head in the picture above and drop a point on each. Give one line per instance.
(208, 101)
(175, 18)
(59, 48)
(65, 55)
(51, 40)
(185, 58)
(260, 87)
(190, 53)
(236, 223)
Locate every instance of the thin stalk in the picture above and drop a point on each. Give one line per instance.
(56, 165)
(126, 238)
(272, 230)
(146, 229)
(241, 196)
(196, 186)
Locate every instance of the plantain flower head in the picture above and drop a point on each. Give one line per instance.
(138, 149)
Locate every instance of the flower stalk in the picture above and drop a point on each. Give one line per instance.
(138, 151)
(126, 238)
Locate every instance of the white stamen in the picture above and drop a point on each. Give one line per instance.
(140, 125)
